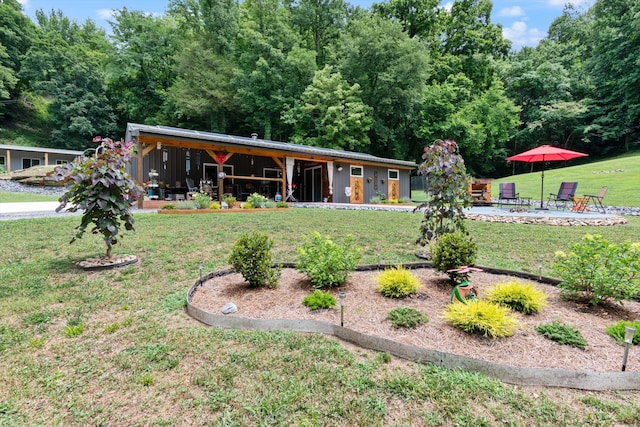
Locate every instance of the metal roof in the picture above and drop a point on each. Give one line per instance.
(39, 149)
(134, 129)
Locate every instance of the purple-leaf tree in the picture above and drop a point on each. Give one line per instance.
(447, 188)
(100, 186)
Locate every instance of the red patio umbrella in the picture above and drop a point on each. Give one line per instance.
(545, 153)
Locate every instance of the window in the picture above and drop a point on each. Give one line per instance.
(27, 163)
(2, 161)
(394, 174)
(61, 162)
(356, 170)
(271, 172)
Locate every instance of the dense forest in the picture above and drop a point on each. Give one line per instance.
(385, 81)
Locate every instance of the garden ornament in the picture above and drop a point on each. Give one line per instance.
(463, 292)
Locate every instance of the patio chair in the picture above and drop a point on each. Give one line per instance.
(191, 186)
(597, 199)
(508, 194)
(565, 195)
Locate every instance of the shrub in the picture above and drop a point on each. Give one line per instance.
(257, 200)
(251, 256)
(482, 317)
(406, 317)
(562, 334)
(326, 263)
(397, 282)
(185, 204)
(598, 270)
(521, 297)
(319, 299)
(375, 200)
(168, 207)
(201, 200)
(454, 250)
(230, 201)
(214, 205)
(246, 205)
(270, 204)
(616, 331)
(282, 204)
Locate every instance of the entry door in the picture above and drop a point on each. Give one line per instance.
(394, 184)
(313, 184)
(357, 185)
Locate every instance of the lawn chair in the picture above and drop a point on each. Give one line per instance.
(508, 194)
(597, 199)
(565, 195)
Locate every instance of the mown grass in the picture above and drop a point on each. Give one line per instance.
(12, 197)
(140, 360)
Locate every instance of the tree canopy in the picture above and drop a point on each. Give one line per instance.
(386, 81)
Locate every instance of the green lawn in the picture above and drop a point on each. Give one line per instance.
(116, 348)
(10, 197)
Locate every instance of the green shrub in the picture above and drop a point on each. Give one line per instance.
(327, 263)
(406, 317)
(375, 200)
(270, 204)
(230, 201)
(185, 204)
(168, 206)
(246, 205)
(597, 270)
(397, 282)
(616, 331)
(562, 334)
(521, 297)
(251, 256)
(482, 317)
(319, 299)
(454, 250)
(214, 205)
(282, 204)
(201, 200)
(257, 200)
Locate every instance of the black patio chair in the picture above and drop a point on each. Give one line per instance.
(565, 195)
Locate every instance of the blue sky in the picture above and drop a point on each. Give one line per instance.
(524, 22)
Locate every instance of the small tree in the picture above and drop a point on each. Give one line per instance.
(447, 188)
(100, 186)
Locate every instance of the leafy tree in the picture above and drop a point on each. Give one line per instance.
(330, 114)
(447, 189)
(274, 69)
(8, 79)
(321, 21)
(614, 68)
(100, 187)
(417, 17)
(69, 72)
(141, 70)
(391, 69)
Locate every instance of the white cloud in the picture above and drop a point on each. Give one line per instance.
(105, 13)
(511, 12)
(24, 3)
(521, 35)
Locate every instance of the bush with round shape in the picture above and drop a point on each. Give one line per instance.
(230, 201)
(319, 299)
(325, 262)
(517, 296)
(202, 200)
(454, 250)
(397, 282)
(257, 200)
(482, 317)
(251, 257)
(406, 317)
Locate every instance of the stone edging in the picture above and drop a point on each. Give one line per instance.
(613, 220)
(546, 377)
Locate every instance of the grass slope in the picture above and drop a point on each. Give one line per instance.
(621, 174)
(116, 348)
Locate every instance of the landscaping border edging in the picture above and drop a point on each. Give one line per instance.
(547, 377)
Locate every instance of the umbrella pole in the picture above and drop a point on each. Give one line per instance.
(542, 187)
